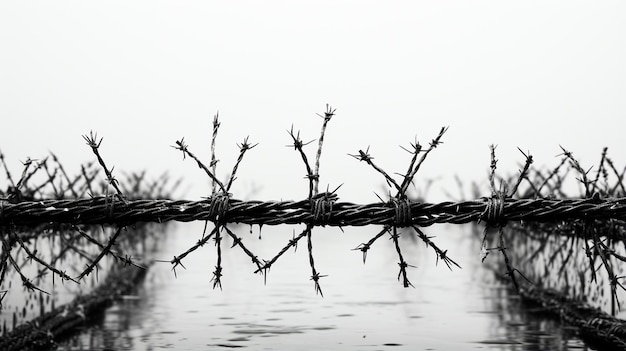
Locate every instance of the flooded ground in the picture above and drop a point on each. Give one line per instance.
(364, 306)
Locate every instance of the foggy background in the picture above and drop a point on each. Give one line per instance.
(144, 74)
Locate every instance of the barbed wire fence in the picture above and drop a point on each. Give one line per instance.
(533, 196)
(71, 252)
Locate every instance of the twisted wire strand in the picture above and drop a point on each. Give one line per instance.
(99, 210)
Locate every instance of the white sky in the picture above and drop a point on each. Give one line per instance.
(143, 74)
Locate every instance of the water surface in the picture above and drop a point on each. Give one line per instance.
(364, 306)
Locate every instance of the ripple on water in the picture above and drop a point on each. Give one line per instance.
(289, 310)
(229, 346)
(269, 331)
(324, 328)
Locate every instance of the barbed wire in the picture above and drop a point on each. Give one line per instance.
(107, 210)
(26, 213)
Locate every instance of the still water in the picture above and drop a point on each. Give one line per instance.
(364, 306)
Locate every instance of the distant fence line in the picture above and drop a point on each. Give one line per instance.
(323, 210)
